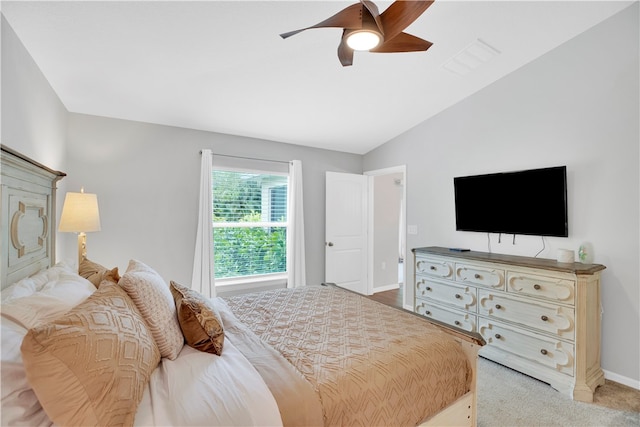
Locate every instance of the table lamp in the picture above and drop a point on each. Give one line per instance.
(80, 215)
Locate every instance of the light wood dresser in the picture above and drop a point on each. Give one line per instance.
(538, 316)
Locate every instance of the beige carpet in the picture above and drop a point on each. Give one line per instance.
(509, 398)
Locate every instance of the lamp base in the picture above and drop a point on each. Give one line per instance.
(82, 247)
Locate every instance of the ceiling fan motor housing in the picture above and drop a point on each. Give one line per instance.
(367, 37)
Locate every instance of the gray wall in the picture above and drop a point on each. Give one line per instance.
(386, 230)
(34, 121)
(147, 180)
(575, 106)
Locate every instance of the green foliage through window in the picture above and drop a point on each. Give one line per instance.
(249, 219)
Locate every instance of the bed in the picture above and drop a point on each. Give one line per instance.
(94, 346)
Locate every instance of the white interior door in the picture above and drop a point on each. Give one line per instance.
(346, 231)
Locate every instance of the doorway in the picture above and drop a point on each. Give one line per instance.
(387, 229)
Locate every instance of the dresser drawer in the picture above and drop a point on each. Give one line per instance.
(434, 267)
(461, 297)
(551, 288)
(550, 352)
(481, 276)
(456, 318)
(542, 316)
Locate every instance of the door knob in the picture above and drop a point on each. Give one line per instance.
(329, 243)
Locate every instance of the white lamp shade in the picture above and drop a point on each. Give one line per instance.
(80, 213)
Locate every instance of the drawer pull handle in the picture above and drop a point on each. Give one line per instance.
(457, 323)
(544, 318)
(498, 336)
(536, 287)
(543, 351)
(432, 268)
(498, 306)
(428, 288)
(458, 296)
(477, 276)
(428, 313)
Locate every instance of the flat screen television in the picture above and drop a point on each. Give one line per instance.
(532, 202)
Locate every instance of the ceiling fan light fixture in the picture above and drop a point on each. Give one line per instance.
(363, 40)
(364, 28)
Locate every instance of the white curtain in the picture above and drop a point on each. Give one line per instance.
(295, 234)
(202, 278)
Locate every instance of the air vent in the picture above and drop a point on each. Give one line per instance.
(470, 58)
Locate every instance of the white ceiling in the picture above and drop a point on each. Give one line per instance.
(221, 66)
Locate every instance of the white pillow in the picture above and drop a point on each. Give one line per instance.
(31, 303)
(35, 282)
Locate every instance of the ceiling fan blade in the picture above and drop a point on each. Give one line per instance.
(345, 53)
(349, 17)
(403, 42)
(375, 13)
(401, 14)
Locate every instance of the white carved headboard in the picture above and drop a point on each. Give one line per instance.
(27, 216)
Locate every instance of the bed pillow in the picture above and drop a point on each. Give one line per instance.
(30, 303)
(199, 320)
(153, 298)
(36, 282)
(96, 273)
(91, 366)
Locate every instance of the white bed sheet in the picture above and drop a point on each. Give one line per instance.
(200, 389)
(20, 406)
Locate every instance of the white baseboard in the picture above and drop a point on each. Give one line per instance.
(408, 307)
(621, 379)
(386, 288)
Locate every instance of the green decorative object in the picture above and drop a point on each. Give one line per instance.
(585, 253)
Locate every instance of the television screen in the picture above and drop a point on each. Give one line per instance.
(530, 202)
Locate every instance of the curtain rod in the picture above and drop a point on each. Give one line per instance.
(251, 158)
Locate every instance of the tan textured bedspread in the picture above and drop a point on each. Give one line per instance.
(371, 365)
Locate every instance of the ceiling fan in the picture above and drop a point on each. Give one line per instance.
(365, 28)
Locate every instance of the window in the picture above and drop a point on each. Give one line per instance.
(249, 223)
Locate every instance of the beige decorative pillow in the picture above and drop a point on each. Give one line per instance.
(96, 273)
(91, 366)
(153, 298)
(111, 276)
(199, 320)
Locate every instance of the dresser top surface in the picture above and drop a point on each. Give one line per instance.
(544, 263)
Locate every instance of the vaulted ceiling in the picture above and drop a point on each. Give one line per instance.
(221, 66)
